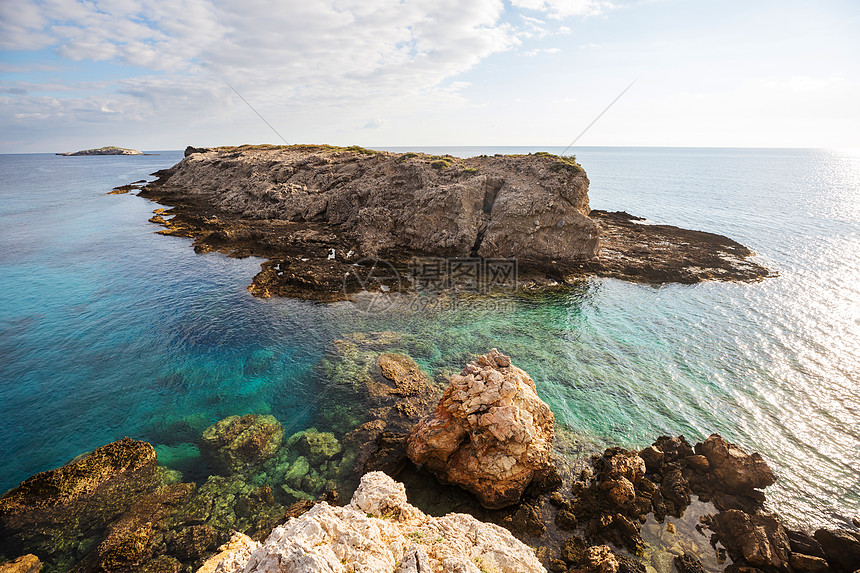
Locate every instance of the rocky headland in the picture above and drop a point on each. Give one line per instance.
(107, 150)
(497, 487)
(316, 211)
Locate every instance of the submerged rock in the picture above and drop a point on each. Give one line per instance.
(78, 478)
(380, 531)
(319, 447)
(688, 563)
(374, 394)
(490, 434)
(238, 441)
(63, 514)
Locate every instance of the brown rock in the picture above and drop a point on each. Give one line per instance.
(406, 375)
(653, 458)
(25, 564)
(698, 462)
(760, 539)
(735, 469)
(622, 463)
(490, 433)
(527, 207)
(674, 448)
(802, 542)
(79, 478)
(598, 559)
(573, 550)
(565, 519)
(676, 489)
(801, 563)
(841, 548)
(688, 563)
(525, 520)
(620, 492)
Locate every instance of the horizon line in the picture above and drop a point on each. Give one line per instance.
(383, 147)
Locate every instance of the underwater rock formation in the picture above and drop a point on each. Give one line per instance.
(490, 434)
(380, 531)
(63, 516)
(374, 394)
(238, 441)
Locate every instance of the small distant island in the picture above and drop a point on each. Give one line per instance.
(107, 150)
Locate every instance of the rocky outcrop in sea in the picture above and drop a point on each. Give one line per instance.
(316, 211)
(109, 150)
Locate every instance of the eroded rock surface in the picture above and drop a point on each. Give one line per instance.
(380, 531)
(25, 564)
(735, 470)
(315, 211)
(490, 434)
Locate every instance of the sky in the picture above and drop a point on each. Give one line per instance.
(154, 75)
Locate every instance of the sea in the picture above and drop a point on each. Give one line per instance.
(108, 329)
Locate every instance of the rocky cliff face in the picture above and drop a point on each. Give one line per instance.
(533, 208)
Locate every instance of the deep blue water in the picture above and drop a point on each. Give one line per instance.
(107, 329)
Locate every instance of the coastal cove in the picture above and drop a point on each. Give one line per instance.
(109, 330)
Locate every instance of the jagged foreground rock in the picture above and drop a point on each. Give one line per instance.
(662, 478)
(380, 531)
(490, 433)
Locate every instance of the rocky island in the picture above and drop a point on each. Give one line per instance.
(315, 211)
(107, 150)
(273, 504)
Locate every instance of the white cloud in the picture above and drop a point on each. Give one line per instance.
(375, 123)
(565, 8)
(535, 52)
(282, 56)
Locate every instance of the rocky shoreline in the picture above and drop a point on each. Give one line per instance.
(276, 499)
(315, 212)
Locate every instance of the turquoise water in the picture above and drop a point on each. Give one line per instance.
(107, 329)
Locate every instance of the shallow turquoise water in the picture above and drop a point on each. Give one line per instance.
(107, 329)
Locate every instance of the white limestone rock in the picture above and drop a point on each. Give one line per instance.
(380, 532)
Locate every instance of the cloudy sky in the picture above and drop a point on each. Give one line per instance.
(152, 75)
